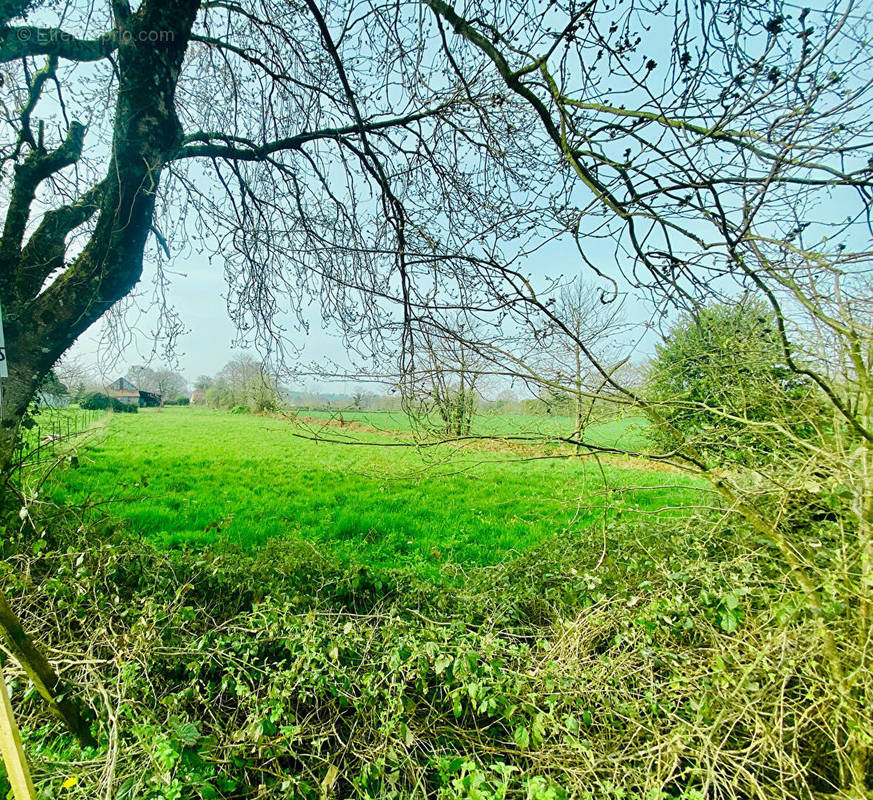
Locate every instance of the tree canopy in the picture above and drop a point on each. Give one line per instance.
(401, 163)
(319, 152)
(719, 378)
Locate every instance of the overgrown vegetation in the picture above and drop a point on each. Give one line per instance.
(664, 661)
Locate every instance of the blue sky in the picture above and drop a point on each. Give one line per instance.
(198, 291)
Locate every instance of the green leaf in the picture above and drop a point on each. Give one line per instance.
(188, 734)
(730, 601)
(729, 619)
(442, 663)
(538, 729)
(521, 737)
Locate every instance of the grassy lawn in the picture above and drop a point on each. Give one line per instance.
(186, 476)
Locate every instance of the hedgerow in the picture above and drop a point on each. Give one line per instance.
(680, 665)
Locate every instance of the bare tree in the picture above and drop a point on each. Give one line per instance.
(203, 382)
(75, 375)
(443, 387)
(162, 381)
(266, 131)
(594, 319)
(245, 381)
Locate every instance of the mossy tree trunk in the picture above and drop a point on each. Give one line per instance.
(41, 322)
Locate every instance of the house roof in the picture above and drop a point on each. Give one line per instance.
(122, 387)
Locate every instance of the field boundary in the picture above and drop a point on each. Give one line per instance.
(39, 444)
(528, 450)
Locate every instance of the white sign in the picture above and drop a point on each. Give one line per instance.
(4, 373)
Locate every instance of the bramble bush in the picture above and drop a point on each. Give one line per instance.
(683, 666)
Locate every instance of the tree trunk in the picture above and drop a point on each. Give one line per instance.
(42, 323)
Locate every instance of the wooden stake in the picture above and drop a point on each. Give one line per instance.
(10, 747)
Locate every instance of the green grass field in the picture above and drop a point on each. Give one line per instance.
(186, 476)
(627, 433)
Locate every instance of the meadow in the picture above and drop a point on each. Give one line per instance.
(189, 477)
(627, 433)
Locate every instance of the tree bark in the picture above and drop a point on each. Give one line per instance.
(41, 324)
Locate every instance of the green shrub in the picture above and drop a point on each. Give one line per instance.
(284, 675)
(240, 410)
(124, 408)
(95, 401)
(720, 380)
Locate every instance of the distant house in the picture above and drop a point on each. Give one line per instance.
(125, 392)
(198, 398)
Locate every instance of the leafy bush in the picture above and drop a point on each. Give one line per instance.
(283, 675)
(94, 401)
(124, 408)
(720, 380)
(240, 410)
(97, 401)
